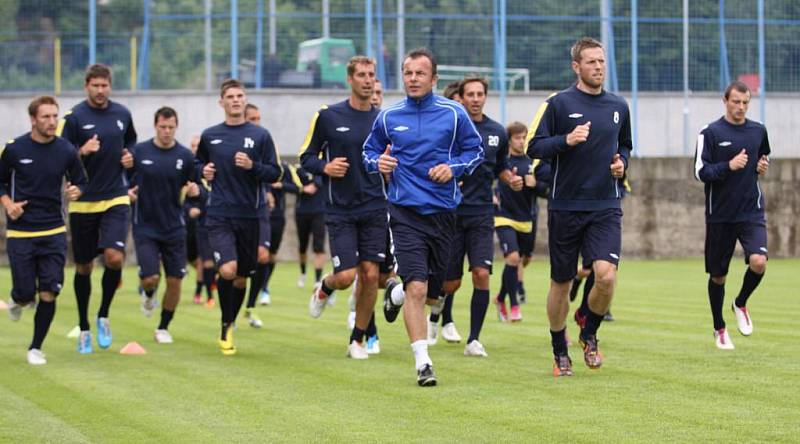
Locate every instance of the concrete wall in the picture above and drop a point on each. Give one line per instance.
(288, 113)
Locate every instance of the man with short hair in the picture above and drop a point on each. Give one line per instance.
(586, 132)
(732, 152)
(356, 203)
(474, 235)
(32, 168)
(163, 171)
(238, 157)
(102, 132)
(451, 91)
(423, 143)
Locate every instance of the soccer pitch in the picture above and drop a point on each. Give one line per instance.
(663, 379)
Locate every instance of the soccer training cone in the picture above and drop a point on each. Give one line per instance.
(74, 333)
(3, 305)
(133, 348)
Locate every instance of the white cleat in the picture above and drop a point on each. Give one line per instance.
(357, 351)
(318, 301)
(433, 333)
(36, 357)
(15, 310)
(331, 300)
(743, 321)
(264, 298)
(163, 337)
(449, 333)
(301, 281)
(475, 348)
(373, 345)
(148, 304)
(351, 320)
(723, 340)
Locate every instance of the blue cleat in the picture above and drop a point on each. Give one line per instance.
(85, 342)
(103, 333)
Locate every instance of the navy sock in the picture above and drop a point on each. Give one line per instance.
(749, 283)
(45, 311)
(317, 274)
(238, 300)
(327, 290)
(477, 313)
(225, 292)
(166, 318)
(593, 321)
(447, 310)
(256, 284)
(510, 283)
(83, 288)
(584, 308)
(209, 274)
(559, 341)
(110, 281)
(270, 269)
(198, 288)
(576, 285)
(372, 329)
(302, 268)
(150, 293)
(357, 335)
(716, 297)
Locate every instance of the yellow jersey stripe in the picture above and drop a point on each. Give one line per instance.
(28, 234)
(295, 177)
(536, 120)
(60, 127)
(99, 206)
(522, 227)
(310, 133)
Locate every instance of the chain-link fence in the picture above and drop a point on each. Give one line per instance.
(191, 44)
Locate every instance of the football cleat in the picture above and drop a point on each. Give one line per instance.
(426, 376)
(591, 352)
(743, 321)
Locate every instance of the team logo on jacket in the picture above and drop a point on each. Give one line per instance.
(343, 129)
(575, 116)
(147, 162)
(249, 143)
(26, 161)
(493, 140)
(725, 143)
(616, 116)
(401, 128)
(120, 125)
(216, 141)
(88, 126)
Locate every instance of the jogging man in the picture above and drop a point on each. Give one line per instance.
(163, 170)
(474, 235)
(238, 157)
(309, 217)
(586, 132)
(102, 132)
(424, 143)
(731, 153)
(355, 203)
(32, 168)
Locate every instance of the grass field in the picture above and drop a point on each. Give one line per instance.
(663, 378)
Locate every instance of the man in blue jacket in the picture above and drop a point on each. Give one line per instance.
(586, 133)
(422, 144)
(732, 153)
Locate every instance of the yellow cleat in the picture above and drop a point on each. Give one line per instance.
(226, 342)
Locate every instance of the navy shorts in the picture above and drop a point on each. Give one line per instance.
(264, 234)
(37, 264)
(512, 241)
(308, 225)
(276, 227)
(422, 245)
(595, 235)
(191, 240)
(202, 242)
(234, 239)
(721, 242)
(94, 232)
(388, 264)
(357, 237)
(472, 238)
(151, 250)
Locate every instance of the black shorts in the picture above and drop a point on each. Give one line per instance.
(191, 240)
(595, 235)
(357, 237)
(37, 264)
(308, 225)
(422, 245)
(721, 242)
(276, 227)
(264, 234)
(150, 250)
(513, 241)
(473, 238)
(234, 239)
(203, 245)
(94, 232)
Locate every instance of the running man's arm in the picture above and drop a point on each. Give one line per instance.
(705, 169)
(542, 140)
(311, 150)
(76, 173)
(267, 168)
(471, 147)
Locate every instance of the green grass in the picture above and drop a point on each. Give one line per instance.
(663, 379)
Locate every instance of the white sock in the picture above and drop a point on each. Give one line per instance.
(420, 349)
(398, 296)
